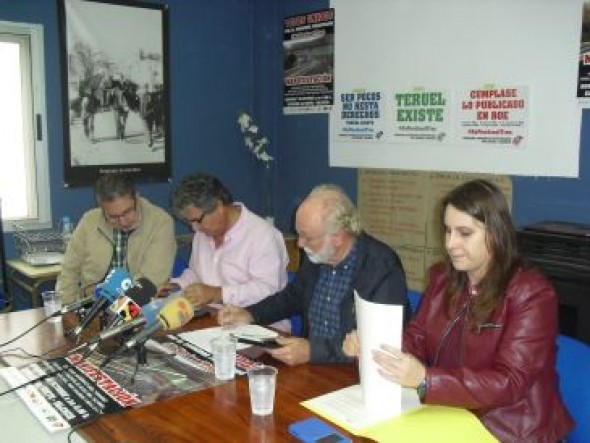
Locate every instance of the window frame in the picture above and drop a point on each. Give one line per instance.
(40, 190)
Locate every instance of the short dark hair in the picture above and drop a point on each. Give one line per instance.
(201, 190)
(112, 186)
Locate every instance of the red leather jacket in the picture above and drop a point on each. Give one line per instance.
(505, 373)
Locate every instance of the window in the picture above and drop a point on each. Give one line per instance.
(24, 170)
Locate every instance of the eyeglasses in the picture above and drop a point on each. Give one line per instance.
(114, 218)
(199, 219)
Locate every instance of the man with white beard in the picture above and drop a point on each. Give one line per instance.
(339, 258)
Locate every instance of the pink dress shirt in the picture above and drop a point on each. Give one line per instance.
(250, 265)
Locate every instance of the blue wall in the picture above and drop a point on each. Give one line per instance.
(212, 72)
(226, 56)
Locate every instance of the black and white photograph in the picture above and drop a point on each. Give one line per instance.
(115, 90)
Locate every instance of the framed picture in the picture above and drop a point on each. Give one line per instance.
(115, 90)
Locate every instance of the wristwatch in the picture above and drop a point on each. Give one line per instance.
(421, 389)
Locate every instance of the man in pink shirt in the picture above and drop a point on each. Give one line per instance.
(237, 257)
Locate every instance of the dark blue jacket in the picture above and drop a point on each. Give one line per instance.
(379, 278)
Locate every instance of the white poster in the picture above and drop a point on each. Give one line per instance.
(454, 47)
(421, 115)
(361, 115)
(494, 116)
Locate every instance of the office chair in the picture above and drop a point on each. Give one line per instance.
(414, 297)
(573, 367)
(180, 264)
(296, 320)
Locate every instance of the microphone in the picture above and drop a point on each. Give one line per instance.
(128, 306)
(174, 314)
(77, 305)
(147, 316)
(115, 284)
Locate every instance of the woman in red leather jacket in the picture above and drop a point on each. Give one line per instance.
(484, 335)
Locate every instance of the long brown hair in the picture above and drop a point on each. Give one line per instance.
(486, 203)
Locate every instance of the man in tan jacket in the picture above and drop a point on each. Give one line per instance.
(126, 230)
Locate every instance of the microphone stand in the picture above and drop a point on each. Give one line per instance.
(141, 354)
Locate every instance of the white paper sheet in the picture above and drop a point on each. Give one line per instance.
(202, 337)
(377, 324)
(346, 408)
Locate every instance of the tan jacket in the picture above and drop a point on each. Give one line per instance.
(150, 254)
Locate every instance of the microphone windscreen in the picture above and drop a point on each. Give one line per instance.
(125, 308)
(176, 313)
(116, 283)
(151, 310)
(142, 291)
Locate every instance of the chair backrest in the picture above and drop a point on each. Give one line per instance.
(573, 367)
(180, 264)
(296, 320)
(414, 297)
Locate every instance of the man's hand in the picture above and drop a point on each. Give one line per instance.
(231, 315)
(200, 294)
(352, 345)
(293, 350)
(166, 289)
(89, 291)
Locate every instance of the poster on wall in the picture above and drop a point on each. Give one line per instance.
(115, 90)
(361, 115)
(421, 115)
(308, 46)
(494, 116)
(379, 46)
(584, 59)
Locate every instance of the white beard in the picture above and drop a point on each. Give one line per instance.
(322, 256)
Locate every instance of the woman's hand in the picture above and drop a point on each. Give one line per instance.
(399, 367)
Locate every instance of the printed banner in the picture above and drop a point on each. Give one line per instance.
(360, 115)
(494, 116)
(421, 115)
(72, 390)
(309, 62)
(584, 58)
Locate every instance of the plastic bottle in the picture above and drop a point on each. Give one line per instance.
(67, 228)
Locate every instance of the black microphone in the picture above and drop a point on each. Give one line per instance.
(115, 284)
(77, 305)
(128, 306)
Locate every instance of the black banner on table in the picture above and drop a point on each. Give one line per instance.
(77, 390)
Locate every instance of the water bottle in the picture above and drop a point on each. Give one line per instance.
(67, 228)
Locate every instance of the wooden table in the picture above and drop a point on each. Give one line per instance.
(218, 414)
(30, 278)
